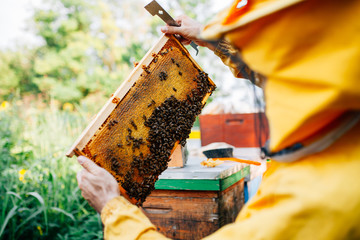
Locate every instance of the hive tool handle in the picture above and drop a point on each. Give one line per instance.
(154, 8)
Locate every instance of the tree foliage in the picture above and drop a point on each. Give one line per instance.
(77, 58)
(82, 54)
(88, 47)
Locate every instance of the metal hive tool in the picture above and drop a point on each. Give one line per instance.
(135, 133)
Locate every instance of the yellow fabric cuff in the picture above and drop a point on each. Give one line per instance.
(122, 219)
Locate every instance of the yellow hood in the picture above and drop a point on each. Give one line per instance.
(310, 53)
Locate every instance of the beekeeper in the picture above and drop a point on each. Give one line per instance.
(306, 54)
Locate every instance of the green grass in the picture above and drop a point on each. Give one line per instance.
(39, 197)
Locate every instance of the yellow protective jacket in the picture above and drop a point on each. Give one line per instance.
(309, 52)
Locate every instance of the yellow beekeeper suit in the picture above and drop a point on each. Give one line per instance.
(309, 52)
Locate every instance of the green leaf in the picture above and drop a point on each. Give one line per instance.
(63, 212)
(14, 194)
(8, 217)
(37, 196)
(33, 215)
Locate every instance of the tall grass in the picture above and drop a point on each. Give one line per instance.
(39, 197)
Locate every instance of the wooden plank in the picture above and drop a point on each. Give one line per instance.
(188, 184)
(177, 158)
(245, 171)
(202, 184)
(227, 182)
(231, 202)
(199, 209)
(180, 229)
(183, 193)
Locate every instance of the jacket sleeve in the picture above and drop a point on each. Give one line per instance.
(121, 218)
(307, 199)
(231, 57)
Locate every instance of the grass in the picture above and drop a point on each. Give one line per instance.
(39, 197)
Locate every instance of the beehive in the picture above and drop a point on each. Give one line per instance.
(153, 111)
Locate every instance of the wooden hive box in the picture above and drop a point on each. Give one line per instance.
(240, 130)
(152, 111)
(187, 215)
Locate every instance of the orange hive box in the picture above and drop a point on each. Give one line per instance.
(152, 111)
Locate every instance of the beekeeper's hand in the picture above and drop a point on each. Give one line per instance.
(97, 185)
(189, 30)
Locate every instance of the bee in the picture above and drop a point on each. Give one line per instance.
(145, 68)
(163, 76)
(115, 100)
(151, 103)
(133, 124)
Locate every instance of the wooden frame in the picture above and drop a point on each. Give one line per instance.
(94, 125)
(123, 94)
(104, 113)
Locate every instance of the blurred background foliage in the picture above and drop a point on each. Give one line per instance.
(88, 47)
(48, 94)
(81, 54)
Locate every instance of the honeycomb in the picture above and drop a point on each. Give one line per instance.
(136, 139)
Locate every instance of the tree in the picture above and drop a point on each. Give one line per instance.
(79, 57)
(88, 47)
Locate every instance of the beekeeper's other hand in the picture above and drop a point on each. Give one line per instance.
(97, 185)
(189, 30)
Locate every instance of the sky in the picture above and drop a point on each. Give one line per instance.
(14, 15)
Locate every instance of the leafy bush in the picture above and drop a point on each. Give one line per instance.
(38, 189)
